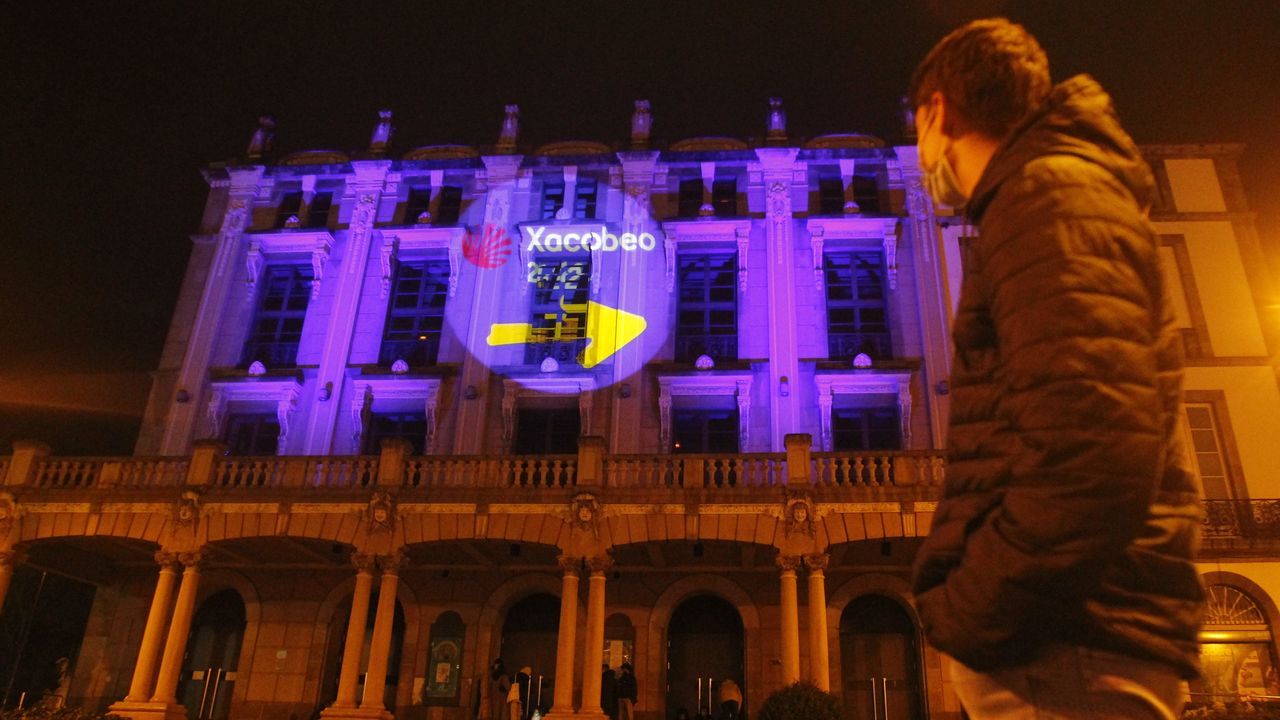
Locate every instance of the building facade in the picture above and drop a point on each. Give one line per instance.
(576, 406)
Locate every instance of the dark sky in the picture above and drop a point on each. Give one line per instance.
(112, 109)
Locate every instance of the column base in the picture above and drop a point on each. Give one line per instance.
(592, 714)
(148, 710)
(553, 715)
(356, 713)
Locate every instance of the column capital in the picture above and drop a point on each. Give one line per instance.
(193, 560)
(600, 564)
(364, 562)
(569, 565)
(789, 563)
(12, 557)
(166, 559)
(391, 564)
(816, 562)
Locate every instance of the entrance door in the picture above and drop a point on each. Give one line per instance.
(881, 659)
(529, 637)
(213, 650)
(704, 646)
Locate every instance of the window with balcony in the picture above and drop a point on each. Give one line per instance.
(558, 311)
(830, 195)
(290, 205)
(584, 203)
(318, 210)
(865, 428)
(408, 426)
(417, 203)
(707, 312)
(552, 198)
(690, 198)
(415, 314)
(283, 296)
(724, 197)
(704, 431)
(450, 205)
(857, 312)
(547, 431)
(252, 434)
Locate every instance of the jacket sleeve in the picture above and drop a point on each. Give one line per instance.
(1072, 303)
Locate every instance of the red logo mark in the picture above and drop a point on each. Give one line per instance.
(490, 251)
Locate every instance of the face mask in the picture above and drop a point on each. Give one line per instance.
(940, 180)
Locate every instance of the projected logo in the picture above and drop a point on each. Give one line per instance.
(491, 250)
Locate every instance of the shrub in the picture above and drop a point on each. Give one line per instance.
(801, 701)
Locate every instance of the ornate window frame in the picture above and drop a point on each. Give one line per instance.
(370, 392)
(733, 232)
(854, 232)
(735, 385)
(265, 247)
(283, 393)
(862, 382)
(550, 386)
(415, 243)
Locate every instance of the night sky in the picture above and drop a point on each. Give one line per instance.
(111, 110)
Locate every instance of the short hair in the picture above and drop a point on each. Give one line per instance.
(991, 72)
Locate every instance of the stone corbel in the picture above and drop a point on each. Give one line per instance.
(360, 405)
(743, 395)
(891, 254)
(285, 408)
(846, 183)
(455, 264)
(217, 410)
(824, 413)
(670, 246)
(253, 262)
(390, 245)
(508, 416)
(904, 411)
(743, 236)
(585, 397)
(816, 240)
(430, 408)
(664, 412)
(319, 257)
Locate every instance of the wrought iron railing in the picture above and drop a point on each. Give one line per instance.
(565, 352)
(846, 346)
(418, 353)
(1247, 519)
(718, 347)
(271, 354)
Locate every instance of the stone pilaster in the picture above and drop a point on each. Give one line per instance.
(777, 168)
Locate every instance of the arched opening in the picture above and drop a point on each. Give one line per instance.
(1237, 656)
(881, 658)
(619, 641)
(337, 641)
(529, 636)
(444, 660)
(705, 643)
(213, 652)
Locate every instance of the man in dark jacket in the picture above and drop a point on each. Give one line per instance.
(1058, 571)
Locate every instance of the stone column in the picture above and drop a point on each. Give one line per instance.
(790, 619)
(144, 671)
(375, 678)
(350, 676)
(175, 646)
(819, 662)
(593, 654)
(8, 560)
(566, 643)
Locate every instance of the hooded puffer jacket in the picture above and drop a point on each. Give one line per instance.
(1070, 512)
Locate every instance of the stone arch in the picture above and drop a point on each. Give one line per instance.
(215, 580)
(837, 528)
(337, 527)
(897, 589)
(754, 528)
(652, 665)
(495, 610)
(1250, 588)
(149, 527)
(534, 528)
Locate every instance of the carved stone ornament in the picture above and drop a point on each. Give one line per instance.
(166, 559)
(777, 119)
(569, 565)
(600, 563)
(8, 514)
(382, 512)
(364, 562)
(817, 562)
(510, 128)
(799, 515)
(188, 510)
(192, 560)
(789, 563)
(391, 564)
(257, 369)
(381, 133)
(262, 138)
(11, 558)
(641, 123)
(584, 512)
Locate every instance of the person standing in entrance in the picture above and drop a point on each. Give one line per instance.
(499, 686)
(609, 691)
(730, 697)
(627, 693)
(1058, 571)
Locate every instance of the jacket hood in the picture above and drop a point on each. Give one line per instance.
(1077, 118)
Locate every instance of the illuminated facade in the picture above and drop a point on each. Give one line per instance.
(409, 406)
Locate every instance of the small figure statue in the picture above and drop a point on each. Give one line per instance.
(262, 138)
(510, 128)
(641, 122)
(777, 119)
(381, 134)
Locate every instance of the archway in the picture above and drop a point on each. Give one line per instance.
(705, 645)
(1236, 656)
(529, 636)
(880, 654)
(337, 641)
(213, 653)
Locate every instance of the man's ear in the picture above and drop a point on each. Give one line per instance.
(938, 108)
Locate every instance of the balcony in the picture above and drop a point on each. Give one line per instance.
(1233, 527)
(417, 353)
(721, 348)
(271, 354)
(844, 346)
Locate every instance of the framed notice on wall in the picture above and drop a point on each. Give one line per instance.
(444, 671)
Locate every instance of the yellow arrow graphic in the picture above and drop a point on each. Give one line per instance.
(608, 331)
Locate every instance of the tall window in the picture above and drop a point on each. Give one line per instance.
(558, 312)
(584, 203)
(690, 199)
(252, 434)
(552, 198)
(318, 210)
(866, 192)
(415, 316)
(290, 205)
(1206, 441)
(830, 195)
(857, 318)
(408, 426)
(418, 202)
(724, 197)
(707, 315)
(277, 324)
(450, 205)
(542, 431)
(704, 431)
(865, 428)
